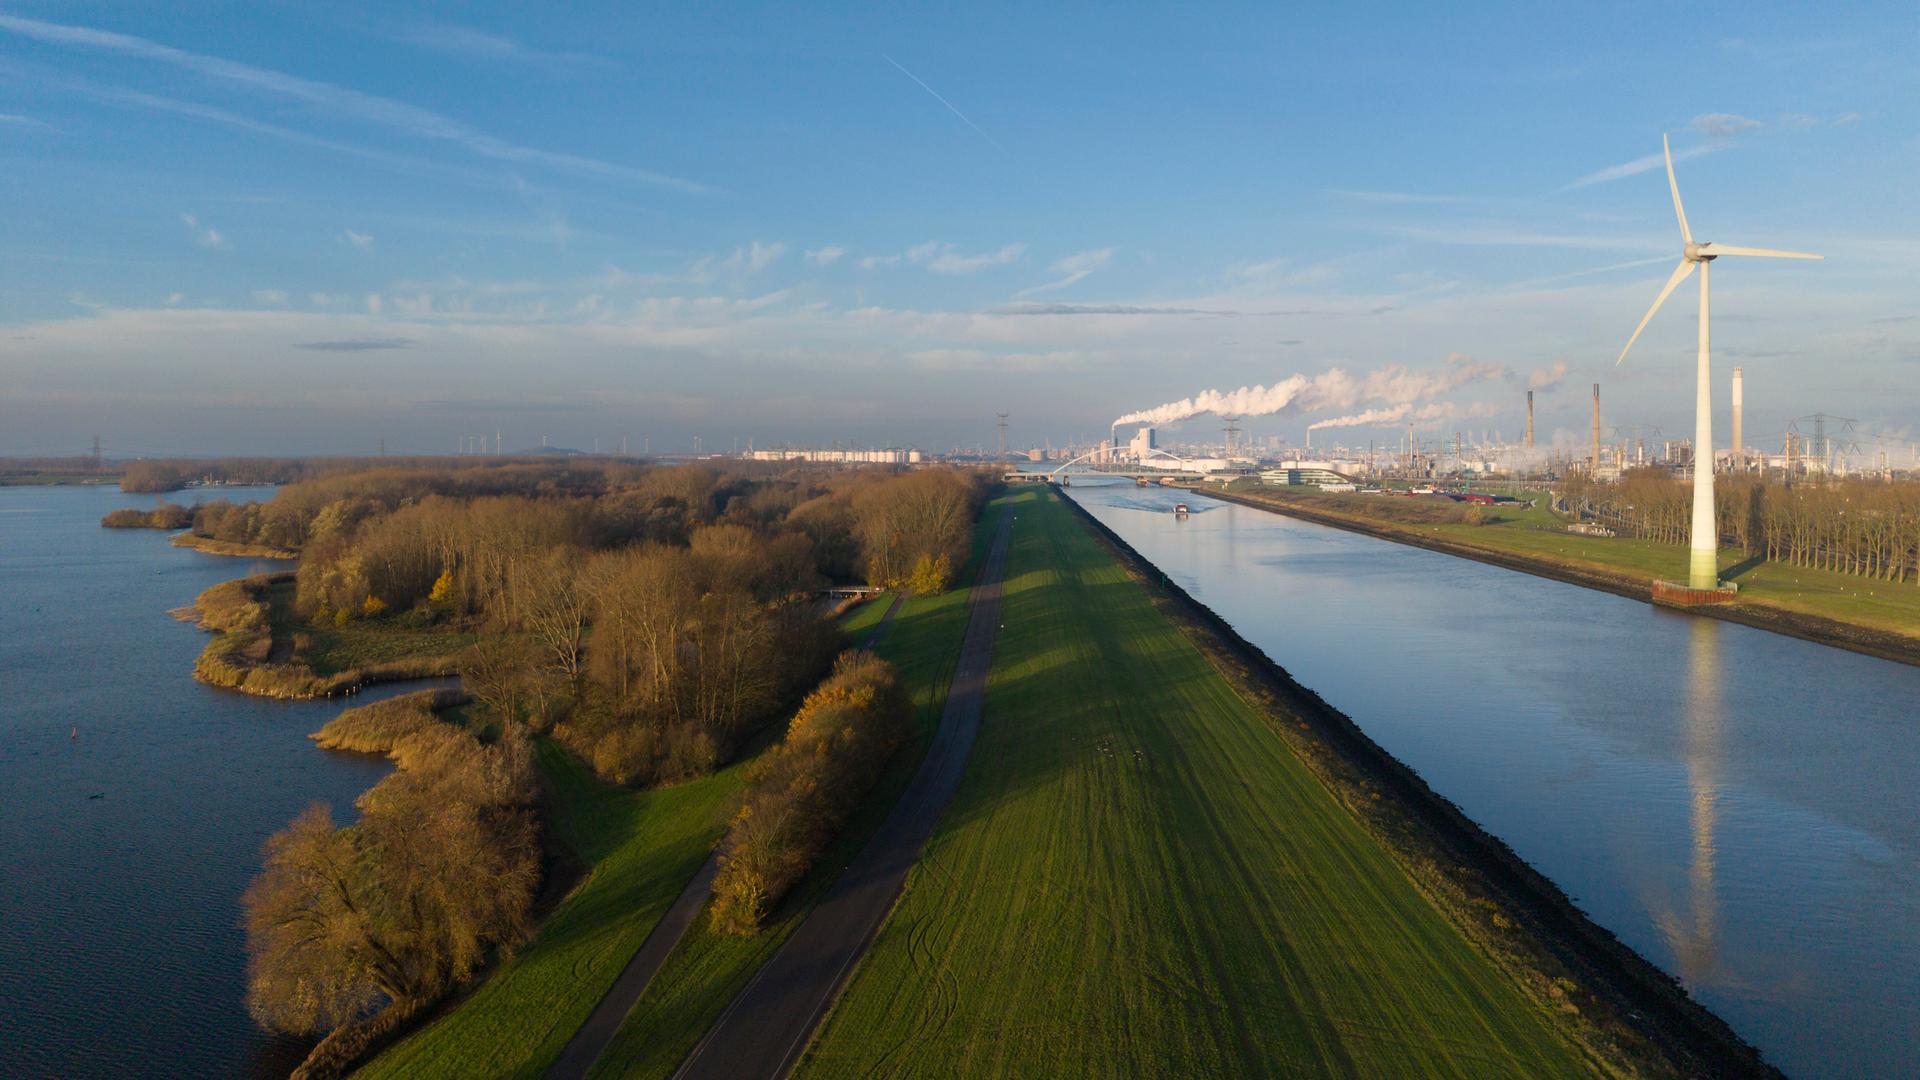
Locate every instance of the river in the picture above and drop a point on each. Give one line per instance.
(135, 801)
(1740, 807)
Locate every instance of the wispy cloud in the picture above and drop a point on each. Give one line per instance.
(1497, 235)
(360, 240)
(204, 235)
(1723, 125)
(1643, 164)
(338, 102)
(270, 297)
(15, 120)
(1846, 118)
(948, 261)
(826, 256)
(1075, 268)
(356, 344)
(481, 45)
(744, 261)
(948, 104)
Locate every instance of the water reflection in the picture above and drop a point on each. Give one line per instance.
(1693, 944)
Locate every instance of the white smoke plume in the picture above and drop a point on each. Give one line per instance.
(1334, 388)
(1547, 378)
(1406, 413)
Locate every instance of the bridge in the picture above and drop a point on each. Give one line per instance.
(1105, 461)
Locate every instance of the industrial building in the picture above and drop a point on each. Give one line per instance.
(888, 456)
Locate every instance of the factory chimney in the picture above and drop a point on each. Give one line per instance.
(1529, 419)
(1595, 467)
(1737, 406)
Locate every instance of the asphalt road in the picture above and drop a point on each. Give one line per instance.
(591, 1040)
(765, 1029)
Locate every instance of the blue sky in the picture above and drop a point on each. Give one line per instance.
(229, 228)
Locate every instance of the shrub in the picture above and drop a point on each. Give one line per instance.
(800, 793)
(373, 607)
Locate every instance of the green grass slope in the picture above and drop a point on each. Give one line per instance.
(1137, 877)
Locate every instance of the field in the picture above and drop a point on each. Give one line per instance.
(642, 848)
(1539, 535)
(1137, 877)
(695, 984)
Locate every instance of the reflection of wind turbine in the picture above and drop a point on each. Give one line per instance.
(1702, 569)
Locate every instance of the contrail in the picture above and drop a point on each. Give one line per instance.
(948, 104)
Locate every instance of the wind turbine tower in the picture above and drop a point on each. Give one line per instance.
(1702, 568)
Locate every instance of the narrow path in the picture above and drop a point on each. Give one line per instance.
(588, 1043)
(763, 1032)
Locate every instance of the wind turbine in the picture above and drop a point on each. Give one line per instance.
(1702, 567)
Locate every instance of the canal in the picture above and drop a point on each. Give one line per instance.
(1739, 806)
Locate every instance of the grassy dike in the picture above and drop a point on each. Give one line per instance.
(708, 968)
(1874, 617)
(1164, 860)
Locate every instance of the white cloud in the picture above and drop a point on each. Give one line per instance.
(1798, 120)
(826, 256)
(1723, 125)
(270, 297)
(360, 240)
(943, 259)
(872, 261)
(744, 262)
(19, 121)
(373, 303)
(1074, 269)
(174, 298)
(1846, 118)
(480, 45)
(323, 299)
(206, 237)
(1643, 164)
(339, 102)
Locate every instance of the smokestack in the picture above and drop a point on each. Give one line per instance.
(1736, 417)
(1596, 430)
(1529, 419)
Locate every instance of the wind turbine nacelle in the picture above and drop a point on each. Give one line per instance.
(1694, 254)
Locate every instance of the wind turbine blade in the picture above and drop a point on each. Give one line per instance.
(1680, 274)
(1686, 234)
(1763, 253)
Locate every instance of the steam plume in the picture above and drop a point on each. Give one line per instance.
(1547, 378)
(1394, 385)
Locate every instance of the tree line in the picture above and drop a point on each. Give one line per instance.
(1861, 526)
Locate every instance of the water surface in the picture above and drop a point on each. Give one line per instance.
(1743, 808)
(135, 801)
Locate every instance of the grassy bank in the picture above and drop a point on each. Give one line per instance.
(260, 647)
(1138, 877)
(709, 968)
(1840, 609)
(641, 847)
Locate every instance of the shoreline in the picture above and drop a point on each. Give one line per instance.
(1760, 616)
(1615, 1002)
(211, 546)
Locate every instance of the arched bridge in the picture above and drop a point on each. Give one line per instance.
(1105, 461)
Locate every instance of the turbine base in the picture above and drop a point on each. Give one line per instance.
(1676, 594)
